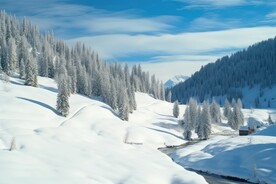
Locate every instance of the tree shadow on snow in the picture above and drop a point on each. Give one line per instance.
(166, 132)
(167, 125)
(17, 83)
(39, 103)
(110, 109)
(55, 90)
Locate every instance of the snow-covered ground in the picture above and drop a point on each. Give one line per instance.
(252, 157)
(91, 145)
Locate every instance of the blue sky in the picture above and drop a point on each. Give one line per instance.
(168, 37)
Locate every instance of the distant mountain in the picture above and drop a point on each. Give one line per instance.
(175, 80)
(236, 76)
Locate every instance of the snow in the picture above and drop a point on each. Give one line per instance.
(91, 145)
(252, 157)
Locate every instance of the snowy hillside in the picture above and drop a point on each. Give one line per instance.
(175, 80)
(254, 97)
(249, 157)
(91, 145)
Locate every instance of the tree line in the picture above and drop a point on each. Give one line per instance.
(25, 52)
(228, 75)
(200, 117)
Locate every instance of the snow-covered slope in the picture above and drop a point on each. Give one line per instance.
(252, 157)
(91, 145)
(253, 97)
(175, 80)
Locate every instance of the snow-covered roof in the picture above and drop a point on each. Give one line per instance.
(253, 123)
(243, 127)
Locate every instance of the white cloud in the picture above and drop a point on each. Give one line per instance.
(271, 16)
(175, 54)
(212, 22)
(213, 3)
(64, 17)
(121, 45)
(167, 70)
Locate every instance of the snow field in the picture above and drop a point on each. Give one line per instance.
(89, 145)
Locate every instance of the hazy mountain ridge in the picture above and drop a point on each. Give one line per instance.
(175, 80)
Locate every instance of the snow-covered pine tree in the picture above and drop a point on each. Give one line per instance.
(226, 108)
(240, 118)
(133, 98)
(63, 97)
(123, 104)
(22, 69)
(236, 118)
(215, 112)
(187, 124)
(198, 119)
(233, 102)
(193, 111)
(176, 109)
(269, 120)
(114, 96)
(169, 96)
(12, 56)
(31, 71)
(162, 91)
(205, 122)
(239, 103)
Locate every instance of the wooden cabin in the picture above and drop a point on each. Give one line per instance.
(245, 130)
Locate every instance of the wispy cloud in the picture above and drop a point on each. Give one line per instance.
(213, 23)
(214, 4)
(65, 18)
(271, 15)
(197, 43)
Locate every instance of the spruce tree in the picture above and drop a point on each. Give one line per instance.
(22, 69)
(204, 129)
(31, 71)
(176, 109)
(123, 105)
(236, 118)
(215, 112)
(63, 97)
(187, 124)
(227, 108)
(169, 96)
(193, 111)
(270, 122)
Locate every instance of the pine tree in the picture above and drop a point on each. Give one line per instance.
(22, 69)
(187, 124)
(227, 108)
(31, 72)
(123, 105)
(169, 96)
(12, 56)
(193, 111)
(204, 129)
(239, 103)
(176, 109)
(198, 119)
(236, 118)
(113, 96)
(270, 122)
(63, 97)
(215, 112)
